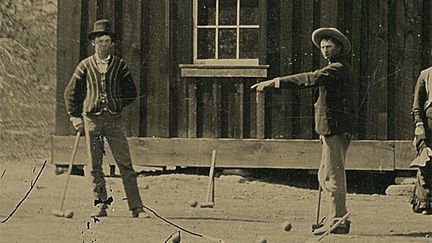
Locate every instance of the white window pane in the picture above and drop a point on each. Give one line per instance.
(228, 12)
(206, 44)
(249, 12)
(249, 43)
(206, 12)
(227, 43)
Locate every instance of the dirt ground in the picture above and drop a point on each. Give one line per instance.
(245, 210)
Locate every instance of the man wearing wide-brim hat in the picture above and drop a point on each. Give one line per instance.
(100, 88)
(334, 117)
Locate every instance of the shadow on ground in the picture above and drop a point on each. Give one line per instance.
(361, 182)
(413, 234)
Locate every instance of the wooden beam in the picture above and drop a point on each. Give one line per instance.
(427, 33)
(91, 13)
(238, 104)
(132, 52)
(181, 47)
(217, 108)
(329, 15)
(406, 51)
(211, 107)
(68, 57)
(377, 106)
(355, 34)
(263, 32)
(285, 128)
(240, 153)
(158, 70)
(192, 108)
(306, 122)
(280, 51)
(260, 114)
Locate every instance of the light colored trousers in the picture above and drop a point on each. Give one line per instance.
(111, 127)
(331, 173)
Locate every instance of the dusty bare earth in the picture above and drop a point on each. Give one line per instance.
(244, 211)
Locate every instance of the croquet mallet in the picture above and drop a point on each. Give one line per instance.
(318, 224)
(210, 187)
(60, 212)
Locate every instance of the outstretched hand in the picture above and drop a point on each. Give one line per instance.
(262, 85)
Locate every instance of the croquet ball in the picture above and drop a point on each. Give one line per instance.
(68, 214)
(286, 226)
(193, 203)
(175, 238)
(261, 240)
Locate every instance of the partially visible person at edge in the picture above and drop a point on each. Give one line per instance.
(334, 118)
(422, 113)
(100, 87)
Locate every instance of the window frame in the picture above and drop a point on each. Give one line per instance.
(216, 61)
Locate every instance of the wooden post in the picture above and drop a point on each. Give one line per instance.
(407, 63)
(192, 108)
(158, 69)
(217, 108)
(377, 112)
(182, 54)
(260, 115)
(238, 108)
(68, 56)
(306, 122)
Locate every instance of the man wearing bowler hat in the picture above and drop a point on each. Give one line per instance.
(334, 118)
(100, 87)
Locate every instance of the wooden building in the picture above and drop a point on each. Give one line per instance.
(195, 60)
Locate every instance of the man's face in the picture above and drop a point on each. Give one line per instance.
(103, 45)
(329, 49)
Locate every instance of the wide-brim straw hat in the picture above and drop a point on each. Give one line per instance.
(101, 26)
(318, 35)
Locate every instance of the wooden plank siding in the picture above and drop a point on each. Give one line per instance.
(158, 70)
(407, 53)
(391, 42)
(181, 25)
(132, 53)
(377, 97)
(355, 34)
(68, 56)
(284, 97)
(306, 64)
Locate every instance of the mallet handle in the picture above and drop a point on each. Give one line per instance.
(319, 205)
(71, 161)
(210, 186)
(334, 226)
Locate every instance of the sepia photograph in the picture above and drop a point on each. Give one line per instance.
(228, 121)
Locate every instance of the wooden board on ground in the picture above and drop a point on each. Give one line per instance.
(240, 153)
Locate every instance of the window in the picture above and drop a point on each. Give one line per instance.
(226, 32)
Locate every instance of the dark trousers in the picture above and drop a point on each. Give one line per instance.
(111, 127)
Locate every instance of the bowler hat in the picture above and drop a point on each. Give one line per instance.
(320, 33)
(101, 26)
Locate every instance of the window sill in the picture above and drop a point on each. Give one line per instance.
(205, 70)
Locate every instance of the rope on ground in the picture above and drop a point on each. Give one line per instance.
(177, 226)
(32, 185)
